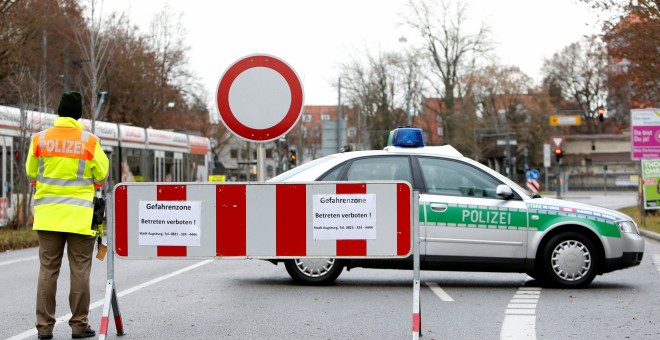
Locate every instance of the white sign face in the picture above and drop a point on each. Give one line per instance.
(546, 155)
(557, 141)
(169, 223)
(344, 217)
(260, 98)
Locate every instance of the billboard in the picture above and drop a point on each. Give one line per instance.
(645, 133)
(651, 183)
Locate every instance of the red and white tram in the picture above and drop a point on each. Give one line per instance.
(135, 153)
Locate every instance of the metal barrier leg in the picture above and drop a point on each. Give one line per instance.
(110, 300)
(417, 315)
(119, 325)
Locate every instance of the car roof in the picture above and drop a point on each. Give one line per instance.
(443, 150)
(312, 170)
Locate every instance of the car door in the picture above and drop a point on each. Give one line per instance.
(396, 167)
(464, 219)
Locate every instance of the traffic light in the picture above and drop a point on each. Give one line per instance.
(559, 153)
(601, 113)
(292, 158)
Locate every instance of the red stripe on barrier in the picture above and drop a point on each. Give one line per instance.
(181, 251)
(402, 219)
(104, 325)
(171, 193)
(121, 220)
(416, 322)
(119, 324)
(290, 220)
(351, 247)
(230, 205)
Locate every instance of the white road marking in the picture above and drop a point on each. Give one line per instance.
(439, 292)
(29, 258)
(521, 311)
(520, 315)
(516, 305)
(99, 303)
(656, 261)
(519, 327)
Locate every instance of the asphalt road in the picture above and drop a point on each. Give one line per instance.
(253, 299)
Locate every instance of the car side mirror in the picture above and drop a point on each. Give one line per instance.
(504, 191)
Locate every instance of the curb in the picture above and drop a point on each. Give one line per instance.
(649, 234)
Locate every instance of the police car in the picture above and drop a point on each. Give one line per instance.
(474, 219)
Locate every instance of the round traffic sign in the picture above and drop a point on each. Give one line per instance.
(533, 174)
(259, 98)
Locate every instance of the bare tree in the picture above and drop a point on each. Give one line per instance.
(412, 73)
(498, 95)
(24, 83)
(580, 71)
(378, 90)
(648, 8)
(453, 51)
(167, 40)
(93, 45)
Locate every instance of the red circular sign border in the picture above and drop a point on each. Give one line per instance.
(292, 115)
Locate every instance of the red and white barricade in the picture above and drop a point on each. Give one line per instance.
(259, 220)
(256, 221)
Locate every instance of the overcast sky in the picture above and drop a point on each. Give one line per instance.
(315, 36)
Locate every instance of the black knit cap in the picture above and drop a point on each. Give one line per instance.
(71, 105)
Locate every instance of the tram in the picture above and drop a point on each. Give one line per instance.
(136, 154)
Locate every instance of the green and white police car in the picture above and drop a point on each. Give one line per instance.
(474, 219)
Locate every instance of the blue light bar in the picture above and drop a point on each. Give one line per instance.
(408, 137)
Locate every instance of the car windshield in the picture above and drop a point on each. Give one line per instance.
(286, 175)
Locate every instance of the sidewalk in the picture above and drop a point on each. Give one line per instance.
(612, 199)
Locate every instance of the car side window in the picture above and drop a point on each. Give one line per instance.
(446, 177)
(333, 175)
(380, 168)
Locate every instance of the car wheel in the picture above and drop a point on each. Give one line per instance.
(569, 260)
(314, 272)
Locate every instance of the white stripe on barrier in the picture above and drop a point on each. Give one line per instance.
(318, 248)
(260, 218)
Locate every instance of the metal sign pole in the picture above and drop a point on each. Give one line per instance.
(417, 316)
(261, 162)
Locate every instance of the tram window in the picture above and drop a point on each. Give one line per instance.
(133, 159)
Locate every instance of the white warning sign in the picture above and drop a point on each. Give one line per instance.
(169, 223)
(344, 217)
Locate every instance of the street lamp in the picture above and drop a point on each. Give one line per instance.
(404, 40)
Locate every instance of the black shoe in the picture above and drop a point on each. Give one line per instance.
(45, 336)
(88, 333)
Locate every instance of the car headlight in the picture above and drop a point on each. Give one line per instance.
(627, 227)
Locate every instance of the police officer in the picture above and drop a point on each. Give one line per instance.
(66, 164)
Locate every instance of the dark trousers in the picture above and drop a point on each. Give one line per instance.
(80, 249)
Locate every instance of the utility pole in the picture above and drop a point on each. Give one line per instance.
(339, 117)
(605, 173)
(558, 179)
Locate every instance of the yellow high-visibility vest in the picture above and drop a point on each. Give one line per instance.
(66, 164)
